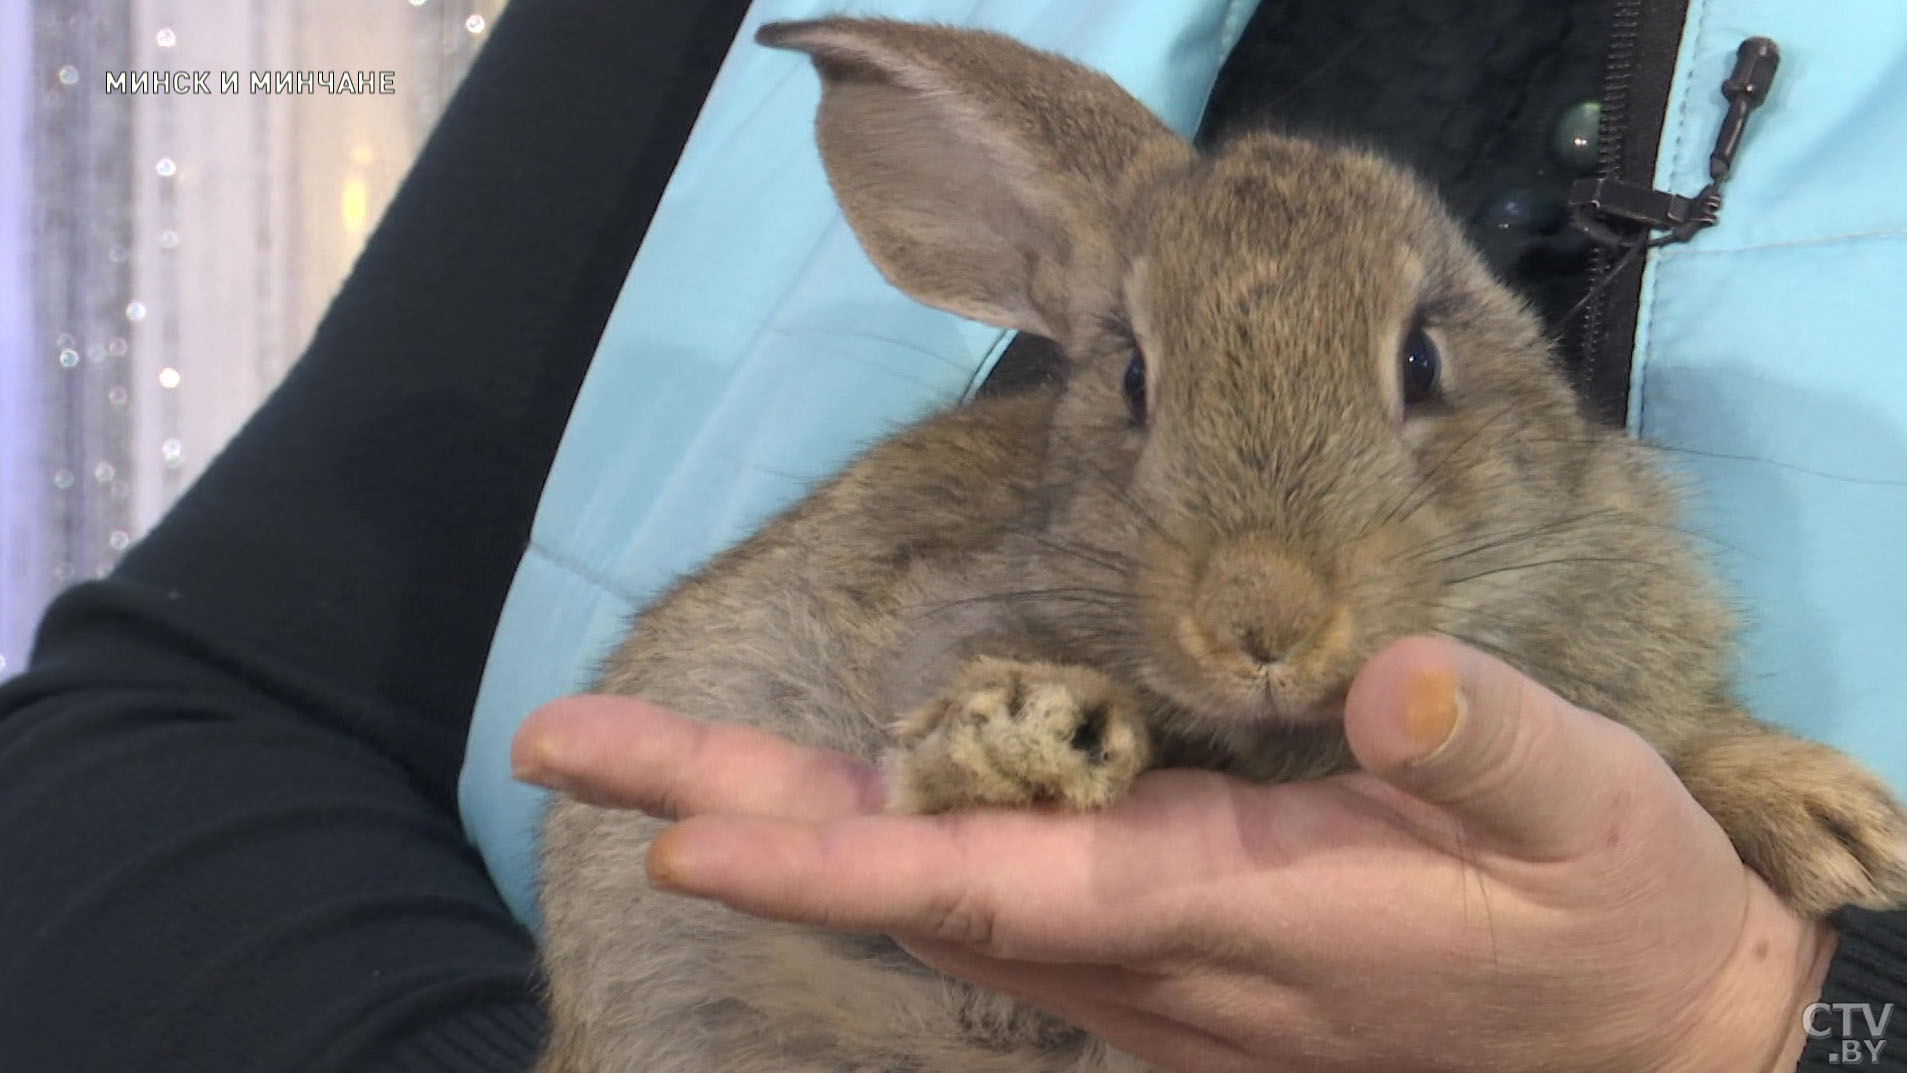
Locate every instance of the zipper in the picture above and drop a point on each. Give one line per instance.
(1644, 37)
(1616, 213)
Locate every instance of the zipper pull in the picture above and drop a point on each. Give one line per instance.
(1746, 88)
(1596, 200)
(1596, 203)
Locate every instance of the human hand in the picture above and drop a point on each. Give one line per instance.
(1510, 884)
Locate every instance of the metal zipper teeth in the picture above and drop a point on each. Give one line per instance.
(1625, 29)
(1645, 36)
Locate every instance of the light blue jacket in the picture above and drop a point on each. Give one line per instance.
(754, 349)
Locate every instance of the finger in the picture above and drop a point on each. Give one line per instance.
(1518, 766)
(627, 753)
(1015, 884)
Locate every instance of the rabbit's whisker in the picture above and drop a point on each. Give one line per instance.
(1542, 671)
(1723, 456)
(1567, 560)
(1079, 595)
(1424, 493)
(1124, 497)
(1105, 558)
(1453, 548)
(1466, 869)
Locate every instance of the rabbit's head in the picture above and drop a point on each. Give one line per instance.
(1299, 419)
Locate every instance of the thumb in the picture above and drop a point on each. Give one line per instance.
(1520, 767)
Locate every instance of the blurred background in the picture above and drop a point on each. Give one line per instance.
(165, 256)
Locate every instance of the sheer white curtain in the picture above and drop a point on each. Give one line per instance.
(164, 256)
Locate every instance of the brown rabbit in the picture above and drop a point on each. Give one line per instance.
(1298, 420)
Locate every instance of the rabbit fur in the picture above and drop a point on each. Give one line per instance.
(1036, 597)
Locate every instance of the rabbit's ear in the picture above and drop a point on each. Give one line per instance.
(982, 176)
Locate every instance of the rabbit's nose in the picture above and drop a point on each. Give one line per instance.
(1252, 640)
(1258, 607)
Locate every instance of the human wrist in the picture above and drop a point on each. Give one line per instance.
(1806, 994)
(1755, 1010)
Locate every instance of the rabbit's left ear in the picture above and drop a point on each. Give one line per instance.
(982, 176)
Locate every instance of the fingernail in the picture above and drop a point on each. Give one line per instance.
(665, 862)
(1433, 705)
(538, 763)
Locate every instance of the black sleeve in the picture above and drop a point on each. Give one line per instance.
(228, 828)
(1865, 1024)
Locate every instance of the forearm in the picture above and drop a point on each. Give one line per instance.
(227, 781)
(200, 880)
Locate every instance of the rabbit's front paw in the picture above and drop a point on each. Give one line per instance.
(1008, 732)
(1822, 830)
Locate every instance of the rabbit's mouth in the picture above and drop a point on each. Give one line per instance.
(1233, 677)
(1310, 704)
(1327, 709)
(1254, 629)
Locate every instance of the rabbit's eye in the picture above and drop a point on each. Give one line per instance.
(1135, 388)
(1418, 367)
